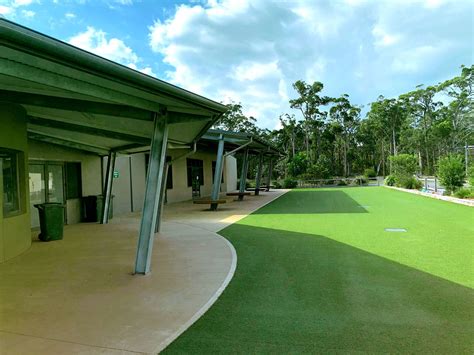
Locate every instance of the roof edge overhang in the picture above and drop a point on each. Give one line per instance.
(19, 37)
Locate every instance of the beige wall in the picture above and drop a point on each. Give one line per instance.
(15, 236)
(90, 163)
(128, 188)
(90, 172)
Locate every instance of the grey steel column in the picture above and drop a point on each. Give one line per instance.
(243, 175)
(270, 171)
(216, 186)
(259, 175)
(162, 198)
(109, 178)
(153, 189)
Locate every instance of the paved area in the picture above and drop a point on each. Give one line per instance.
(78, 295)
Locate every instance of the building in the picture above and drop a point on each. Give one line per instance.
(75, 124)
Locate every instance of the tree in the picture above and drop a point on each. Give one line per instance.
(309, 103)
(451, 172)
(403, 169)
(298, 165)
(346, 119)
(234, 120)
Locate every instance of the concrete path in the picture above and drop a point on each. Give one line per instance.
(78, 295)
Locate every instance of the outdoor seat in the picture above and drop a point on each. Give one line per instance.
(238, 194)
(208, 201)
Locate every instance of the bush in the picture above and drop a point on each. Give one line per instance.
(403, 168)
(451, 172)
(341, 183)
(298, 165)
(277, 184)
(289, 183)
(320, 169)
(362, 180)
(412, 183)
(370, 172)
(463, 193)
(390, 180)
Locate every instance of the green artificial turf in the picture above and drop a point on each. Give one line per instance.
(317, 273)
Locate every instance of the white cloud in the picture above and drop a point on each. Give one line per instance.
(5, 10)
(382, 38)
(245, 51)
(251, 51)
(17, 3)
(28, 13)
(95, 41)
(70, 15)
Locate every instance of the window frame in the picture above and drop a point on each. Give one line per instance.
(15, 156)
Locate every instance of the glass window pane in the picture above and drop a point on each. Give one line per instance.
(9, 166)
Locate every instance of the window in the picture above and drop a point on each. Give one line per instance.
(73, 180)
(195, 169)
(214, 172)
(9, 168)
(169, 177)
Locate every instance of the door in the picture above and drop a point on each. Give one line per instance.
(196, 183)
(46, 185)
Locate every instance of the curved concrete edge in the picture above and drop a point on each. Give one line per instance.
(208, 304)
(469, 203)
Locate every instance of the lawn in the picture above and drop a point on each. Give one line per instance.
(318, 273)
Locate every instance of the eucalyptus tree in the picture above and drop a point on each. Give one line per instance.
(347, 117)
(309, 103)
(421, 107)
(234, 120)
(460, 110)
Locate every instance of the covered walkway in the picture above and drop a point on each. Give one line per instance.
(78, 294)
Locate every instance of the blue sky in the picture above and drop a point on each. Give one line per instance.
(252, 51)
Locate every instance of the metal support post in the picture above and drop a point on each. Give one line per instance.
(109, 178)
(259, 175)
(153, 189)
(270, 171)
(162, 198)
(216, 186)
(243, 175)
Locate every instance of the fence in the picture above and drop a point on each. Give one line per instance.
(431, 184)
(354, 181)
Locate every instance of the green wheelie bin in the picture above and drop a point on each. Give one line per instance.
(51, 216)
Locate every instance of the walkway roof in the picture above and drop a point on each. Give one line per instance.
(234, 140)
(77, 99)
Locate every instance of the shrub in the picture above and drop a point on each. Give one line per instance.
(320, 169)
(289, 183)
(412, 183)
(298, 165)
(341, 183)
(403, 169)
(390, 180)
(451, 172)
(362, 180)
(462, 193)
(370, 172)
(277, 184)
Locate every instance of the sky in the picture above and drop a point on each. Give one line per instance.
(252, 51)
